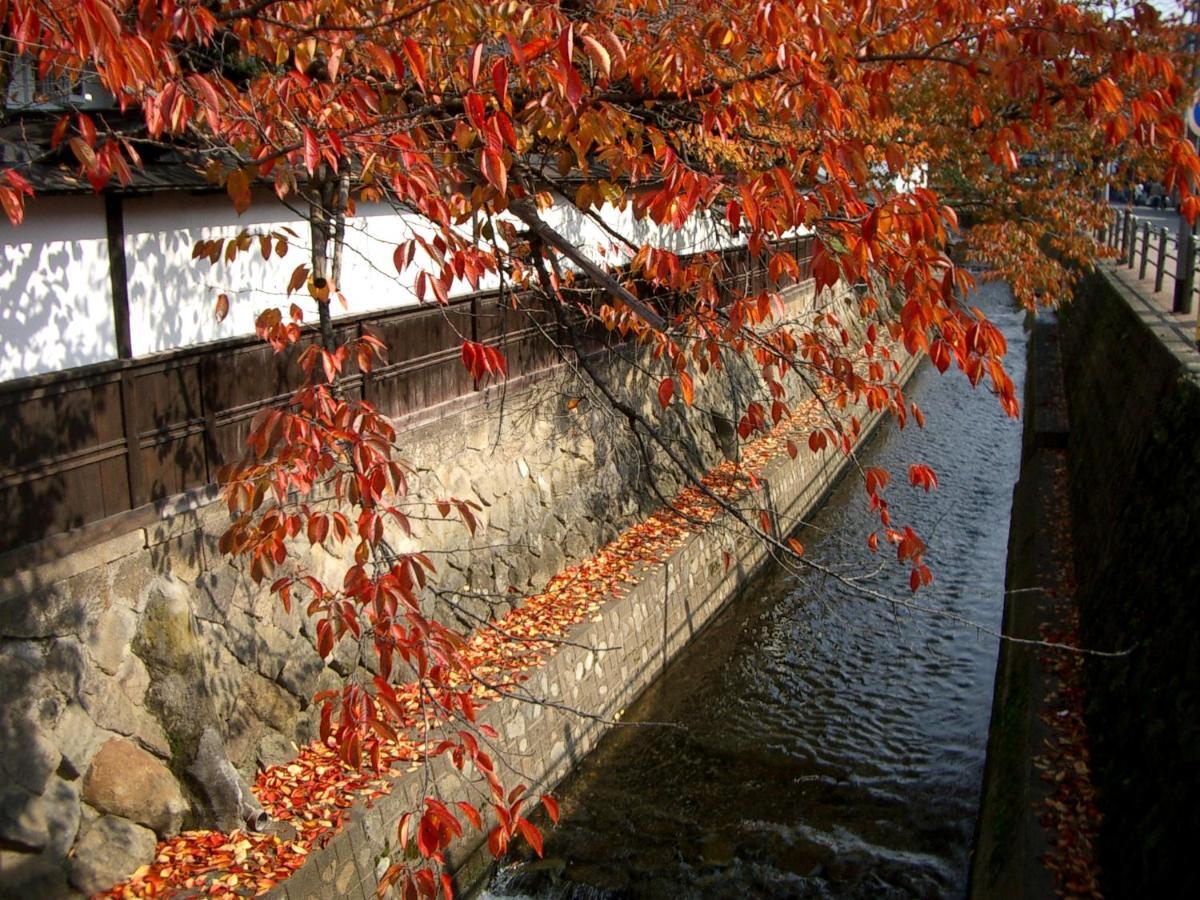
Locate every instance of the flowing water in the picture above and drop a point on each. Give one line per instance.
(816, 743)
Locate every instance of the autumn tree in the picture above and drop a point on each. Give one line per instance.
(872, 126)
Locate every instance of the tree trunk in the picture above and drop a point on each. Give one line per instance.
(320, 217)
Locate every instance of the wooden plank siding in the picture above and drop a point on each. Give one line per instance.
(65, 460)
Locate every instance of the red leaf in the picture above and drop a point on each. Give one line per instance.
(494, 170)
(312, 153)
(939, 352)
(476, 63)
(922, 476)
(531, 834)
(222, 308)
(497, 842)
(471, 813)
(500, 80)
(480, 359)
(238, 187)
(298, 279)
(416, 61)
(666, 388)
(324, 638)
(877, 479)
(574, 87)
(1189, 208)
(473, 104)
(551, 807)
(598, 54)
(403, 255)
(733, 212)
(318, 529)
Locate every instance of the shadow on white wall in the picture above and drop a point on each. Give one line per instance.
(55, 294)
(56, 297)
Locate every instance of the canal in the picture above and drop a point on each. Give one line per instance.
(813, 742)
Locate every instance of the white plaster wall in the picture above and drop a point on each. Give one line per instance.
(57, 298)
(171, 296)
(698, 234)
(370, 282)
(55, 294)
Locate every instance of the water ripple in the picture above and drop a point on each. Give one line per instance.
(833, 746)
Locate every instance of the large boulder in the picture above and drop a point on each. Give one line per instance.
(124, 780)
(24, 818)
(30, 757)
(167, 644)
(230, 801)
(36, 832)
(110, 849)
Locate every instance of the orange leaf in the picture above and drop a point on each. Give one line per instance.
(687, 389)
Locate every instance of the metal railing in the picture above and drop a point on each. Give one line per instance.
(1151, 248)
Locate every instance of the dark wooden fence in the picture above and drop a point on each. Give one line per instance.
(67, 472)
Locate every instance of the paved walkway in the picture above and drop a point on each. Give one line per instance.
(1144, 287)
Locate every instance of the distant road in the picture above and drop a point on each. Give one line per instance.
(1158, 217)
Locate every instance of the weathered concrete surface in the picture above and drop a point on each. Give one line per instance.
(1010, 841)
(1133, 386)
(152, 636)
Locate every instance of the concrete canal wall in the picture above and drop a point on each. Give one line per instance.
(1112, 426)
(1010, 841)
(1133, 388)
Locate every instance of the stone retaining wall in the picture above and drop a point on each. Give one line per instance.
(1133, 387)
(113, 659)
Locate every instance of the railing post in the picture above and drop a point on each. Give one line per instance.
(1131, 243)
(1123, 246)
(1185, 269)
(1161, 260)
(1145, 249)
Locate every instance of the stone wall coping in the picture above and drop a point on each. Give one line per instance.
(1168, 332)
